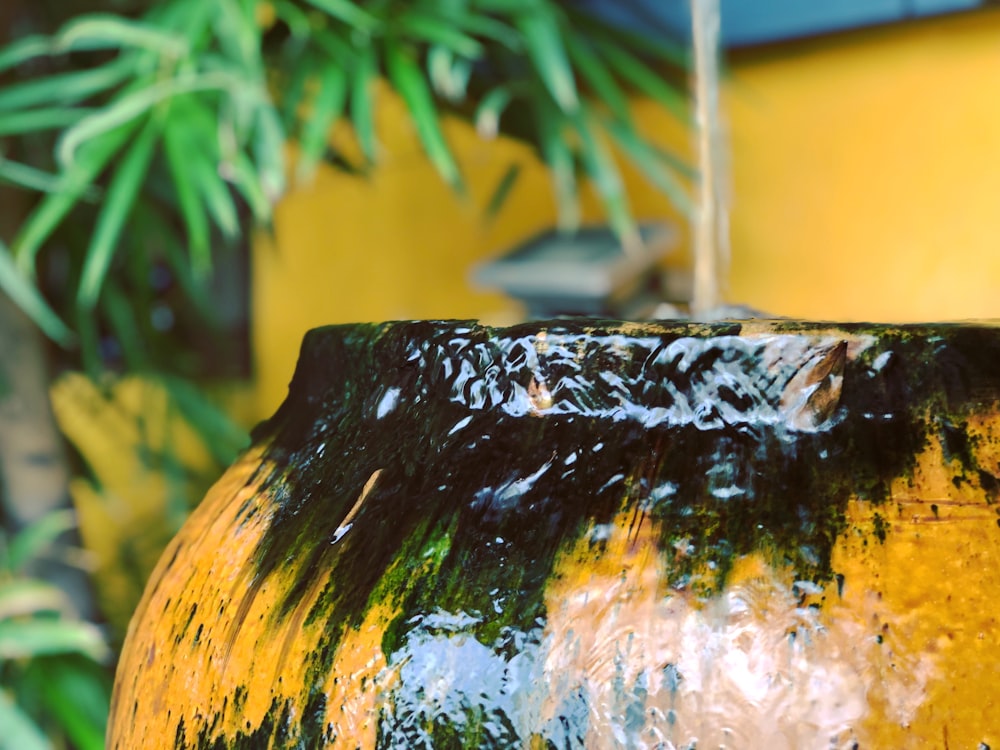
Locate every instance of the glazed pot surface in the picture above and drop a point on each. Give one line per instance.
(592, 534)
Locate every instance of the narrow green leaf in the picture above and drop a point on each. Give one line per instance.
(269, 152)
(293, 90)
(327, 106)
(192, 18)
(491, 108)
(647, 42)
(217, 197)
(77, 693)
(94, 31)
(122, 190)
(238, 34)
(293, 16)
(362, 101)
(22, 597)
(26, 639)
(506, 7)
(637, 74)
(19, 730)
(603, 172)
(179, 156)
(348, 12)
(38, 120)
(33, 540)
(449, 73)
(132, 105)
(247, 181)
(598, 76)
(91, 160)
(406, 78)
(121, 317)
(190, 276)
(562, 166)
(25, 295)
(545, 47)
(502, 191)
(423, 28)
(651, 163)
(19, 51)
(90, 343)
(488, 27)
(224, 438)
(27, 176)
(64, 88)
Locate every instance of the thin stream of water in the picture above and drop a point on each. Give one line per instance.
(711, 216)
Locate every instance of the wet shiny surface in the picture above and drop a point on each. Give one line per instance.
(593, 535)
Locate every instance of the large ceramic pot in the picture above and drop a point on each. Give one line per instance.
(593, 535)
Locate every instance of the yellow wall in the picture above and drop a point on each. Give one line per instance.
(866, 173)
(866, 183)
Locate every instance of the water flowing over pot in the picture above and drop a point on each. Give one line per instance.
(593, 534)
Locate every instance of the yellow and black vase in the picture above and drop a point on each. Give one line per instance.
(591, 534)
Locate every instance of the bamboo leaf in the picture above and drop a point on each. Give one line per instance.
(78, 695)
(38, 120)
(293, 16)
(64, 88)
(43, 220)
(25, 295)
(179, 158)
(637, 74)
(121, 317)
(489, 28)
(247, 181)
(362, 102)
(26, 639)
(269, 152)
(22, 597)
(598, 76)
(326, 108)
(217, 198)
(237, 33)
(506, 6)
(545, 47)
(33, 540)
(646, 43)
(122, 190)
(407, 79)
(19, 51)
(603, 172)
(95, 31)
(562, 166)
(224, 438)
(490, 109)
(348, 12)
(502, 191)
(417, 26)
(651, 163)
(24, 175)
(294, 90)
(132, 105)
(20, 731)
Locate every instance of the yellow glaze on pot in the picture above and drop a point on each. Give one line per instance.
(358, 582)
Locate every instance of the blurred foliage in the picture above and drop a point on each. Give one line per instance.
(153, 447)
(161, 129)
(54, 685)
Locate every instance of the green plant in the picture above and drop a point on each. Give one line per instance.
(160, 129)
(54, 685)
